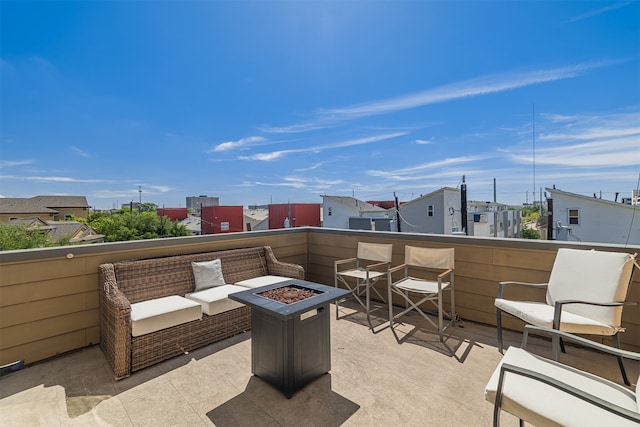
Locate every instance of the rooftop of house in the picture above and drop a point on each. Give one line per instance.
(41, 204)
(374, 380)
(354, 203)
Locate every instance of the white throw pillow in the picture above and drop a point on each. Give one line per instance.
(207, 274)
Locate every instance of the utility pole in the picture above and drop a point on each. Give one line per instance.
(397, 212)
(140, 202)
(463, 205)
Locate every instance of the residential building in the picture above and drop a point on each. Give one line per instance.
(256, 218)
(193, 224)
(437, 212)
(55, 208)
(195, 203)
(580, 218)
(286, 215)
(174, 214)
(77, 232)
(350, 213)
(222, 219)
(491, 219)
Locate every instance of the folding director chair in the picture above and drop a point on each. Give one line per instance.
(359, 274)
(437, 264)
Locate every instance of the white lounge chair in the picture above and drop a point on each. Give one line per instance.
(544, 392)
(585, 295)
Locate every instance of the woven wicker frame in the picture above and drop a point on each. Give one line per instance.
(128, 282)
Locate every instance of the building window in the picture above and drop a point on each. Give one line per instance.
(68, 217)
(430, 210)
(329, 211)
(574, 216)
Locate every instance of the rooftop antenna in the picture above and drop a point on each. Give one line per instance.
(533, 134)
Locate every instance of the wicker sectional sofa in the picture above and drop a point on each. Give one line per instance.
(139, 281)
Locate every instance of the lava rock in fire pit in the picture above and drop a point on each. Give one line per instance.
(288, 294)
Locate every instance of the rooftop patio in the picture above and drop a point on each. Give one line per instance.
(374, 380)
(49, 318)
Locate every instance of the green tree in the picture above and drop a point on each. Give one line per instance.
(125, 225)
(148, 207)
(18, 236)
(529, 233)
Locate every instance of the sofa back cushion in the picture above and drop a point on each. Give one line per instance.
(141, 280)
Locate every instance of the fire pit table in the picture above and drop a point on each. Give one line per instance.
(290, 334)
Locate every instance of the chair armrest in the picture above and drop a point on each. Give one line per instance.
(444, 273)
(552, 382)
(631, 355)
(397, 267)
(501, 286)
(115, 322)
(377, 265)
(344, 261)
(279, 268)
(557, 312)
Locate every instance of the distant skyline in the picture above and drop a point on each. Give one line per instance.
(276, 102)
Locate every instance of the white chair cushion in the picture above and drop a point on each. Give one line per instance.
(541, 404)
(160, 313)
(541, 314)
(256, 282)
(590, 275)
(413, 284)
(360, 273)
(214, 300)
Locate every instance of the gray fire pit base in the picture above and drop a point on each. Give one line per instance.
(290, 353)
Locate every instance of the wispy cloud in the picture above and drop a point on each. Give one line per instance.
(408, 173)
(11, 163)
(587, 141)
(65, 179)
(349, 143)
(310, 168)
(606, 152)
(297, 128)
(241, 143)
(423, 141)
(311, 184)
(473, 87)
(79, 152)
(599, 11)
(483, 85)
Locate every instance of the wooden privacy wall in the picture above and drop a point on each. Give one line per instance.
(49, 301)
(480, 263)
(49, 297)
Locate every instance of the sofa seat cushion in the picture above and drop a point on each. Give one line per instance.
(214, 300)
(160, 313)
(256, 282)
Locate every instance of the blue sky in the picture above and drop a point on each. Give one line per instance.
(259, 102)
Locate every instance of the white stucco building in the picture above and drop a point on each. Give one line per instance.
(437, 212)
(491, 219)
(350, 213)
(589, 219)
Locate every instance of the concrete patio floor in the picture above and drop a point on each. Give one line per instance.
(374, 381)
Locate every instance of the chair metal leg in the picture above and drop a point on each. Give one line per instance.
(616, 342)
(499, 326)
(440, 316)
(367, 296)
(562, 349)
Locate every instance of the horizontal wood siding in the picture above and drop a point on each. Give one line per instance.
(480, 264)
(49, 302)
